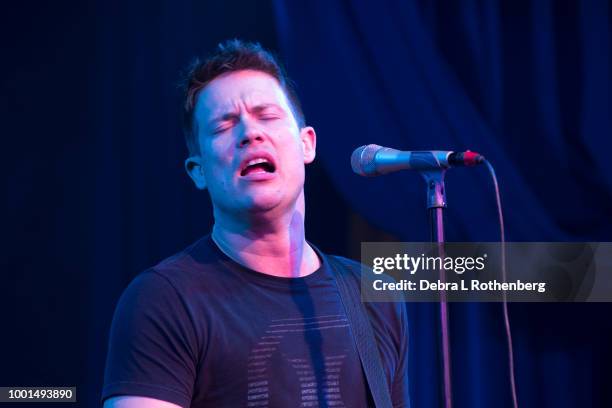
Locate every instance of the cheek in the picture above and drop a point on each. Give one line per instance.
(296, 162)
(218, 155)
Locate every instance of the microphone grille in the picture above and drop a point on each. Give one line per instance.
(362, 160)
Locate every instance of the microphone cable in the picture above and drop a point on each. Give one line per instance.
(504, 277)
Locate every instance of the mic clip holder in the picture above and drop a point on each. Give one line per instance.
(436, 202)
(436, 195)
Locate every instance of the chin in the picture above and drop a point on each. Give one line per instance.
(274, 204)
(260, 205)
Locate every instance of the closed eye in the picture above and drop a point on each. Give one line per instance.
(268, 116)
(267, 112)
(225, 123)
(220, 130)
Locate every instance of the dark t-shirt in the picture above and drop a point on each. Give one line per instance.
(200, 330)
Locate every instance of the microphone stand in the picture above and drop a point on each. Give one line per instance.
(436, 203)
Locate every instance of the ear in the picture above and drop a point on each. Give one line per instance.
(193, 166)
(309, 143)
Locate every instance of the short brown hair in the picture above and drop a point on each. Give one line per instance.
(230, 56)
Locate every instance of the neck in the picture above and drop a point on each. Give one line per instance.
(270, 244)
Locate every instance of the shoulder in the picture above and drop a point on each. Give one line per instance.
(172, 283)
(182, 265)
(195, 269)
(389, 319)
(346, 264)
(356, 269)
(362, 275)
(150, 296)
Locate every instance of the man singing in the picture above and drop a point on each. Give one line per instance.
(250, 315)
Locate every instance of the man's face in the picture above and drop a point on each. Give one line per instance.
(252, 153)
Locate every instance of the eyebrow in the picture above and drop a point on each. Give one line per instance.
(255, 109)
(264, 106)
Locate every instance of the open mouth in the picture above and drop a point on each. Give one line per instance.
(259, 165)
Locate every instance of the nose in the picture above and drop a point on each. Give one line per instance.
(251, 133)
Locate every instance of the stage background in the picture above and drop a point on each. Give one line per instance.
(95, 189)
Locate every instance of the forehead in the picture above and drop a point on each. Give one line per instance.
(230, 91)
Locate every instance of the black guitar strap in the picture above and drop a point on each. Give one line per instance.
(363, 335)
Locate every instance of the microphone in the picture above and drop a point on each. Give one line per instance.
(373, 160)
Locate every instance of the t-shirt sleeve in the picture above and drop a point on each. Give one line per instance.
(153, 347)
(400, 389)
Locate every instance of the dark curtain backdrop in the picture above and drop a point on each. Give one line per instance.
(527, 84)
(95, 189)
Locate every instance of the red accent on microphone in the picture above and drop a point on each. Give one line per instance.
(471, 158)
